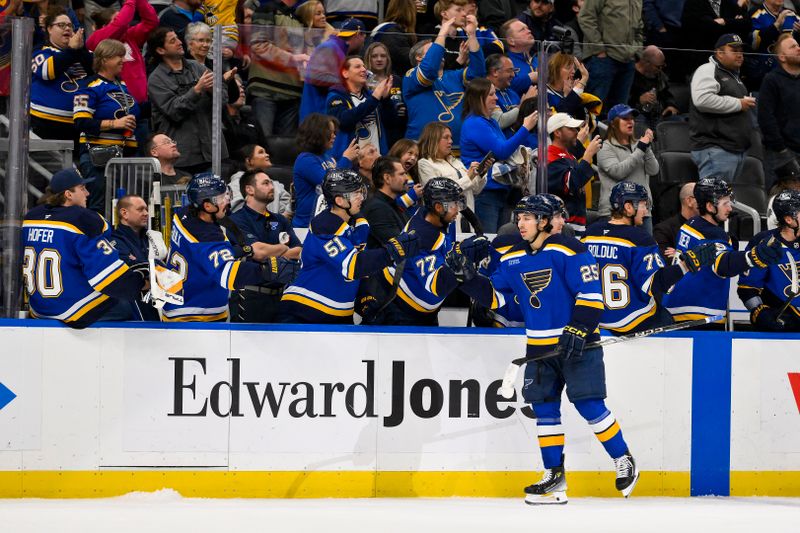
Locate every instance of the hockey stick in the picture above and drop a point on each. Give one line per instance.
(510, 376)
(794, 290)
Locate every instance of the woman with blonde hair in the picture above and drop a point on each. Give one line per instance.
(397, 33)
(312, 15)
(563, 90)
(623, 157)
(378, 61)
(437, 160)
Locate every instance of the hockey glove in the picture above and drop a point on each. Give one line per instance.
(766, 319)
(475, 248)
(765, 253)
(402, 247)
(279, 270)
(573, 340)
(461, 267)
(143, 269)
(700, 256)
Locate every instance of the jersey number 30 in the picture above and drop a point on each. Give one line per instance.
(42, 274)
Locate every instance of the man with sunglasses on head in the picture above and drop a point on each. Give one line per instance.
(201, 251)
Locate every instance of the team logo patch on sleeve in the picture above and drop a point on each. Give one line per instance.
(536, 282)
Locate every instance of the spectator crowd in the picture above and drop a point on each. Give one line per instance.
(381, 106)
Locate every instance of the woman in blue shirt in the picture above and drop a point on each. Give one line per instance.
(105, 114)
(481, 134)
(315, 137)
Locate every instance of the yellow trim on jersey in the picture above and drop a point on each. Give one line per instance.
(414, 305)
(108, 280)
(552, 440)
(51, 68)
(512, 255)
(610, 240)
(86, 308)
(341, 229)
(196, 318)
(608, 434)
(749, 287)
(232, 274)
(504, 249)
(590, 303)
(558, 248)
(96, 82)
(685, 317)
(434, 279)
(693, 231)
(183, 230)
(388, 275)
(54, 118)
(82, 114)
(635, 322)
(421, 79)
(316, 305)
(351, 267)
(439, 242)
(543, 342)
(52, 223)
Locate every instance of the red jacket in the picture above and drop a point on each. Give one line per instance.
(133, 37)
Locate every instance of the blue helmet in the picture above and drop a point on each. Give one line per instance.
(786, 203)
(205, 186)
(339, 182)
(542, 205)
(711, 189)
(624, 192)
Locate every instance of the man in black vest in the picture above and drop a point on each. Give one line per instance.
(719, 118)
(386, 218)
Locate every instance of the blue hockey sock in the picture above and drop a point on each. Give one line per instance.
(551, 433)
(604, 426)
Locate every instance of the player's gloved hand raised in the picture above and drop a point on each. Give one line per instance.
(765, 253)
(403, 246)
(143, 269)
(700, 256)
(459, 264)
(280, 270)
(766, 318)
(573, 340)
(475, 248)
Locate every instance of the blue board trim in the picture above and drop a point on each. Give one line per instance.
(711, 414)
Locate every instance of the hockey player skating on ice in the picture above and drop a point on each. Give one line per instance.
(556, 282)
(764, 291)
(632, 272)
(705, 294)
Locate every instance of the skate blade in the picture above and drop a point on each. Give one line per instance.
(627, 491)
(551, 498)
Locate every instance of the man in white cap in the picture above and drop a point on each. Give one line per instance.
(566, 174)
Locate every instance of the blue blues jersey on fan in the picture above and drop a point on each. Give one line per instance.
(774, 283)
(556, 285)
(70, 269)
(333, 261)
(705, 293)
(426, 281)
(438, 99)
(56, 75)
(201, 252)
(100, 99)
(629, 260)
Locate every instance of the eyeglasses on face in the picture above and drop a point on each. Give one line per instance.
(63, 25)
(168, 142)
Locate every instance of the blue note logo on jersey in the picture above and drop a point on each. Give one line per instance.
(536, 282)
(449, 102)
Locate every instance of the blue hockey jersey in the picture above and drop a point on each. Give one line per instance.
(555, 285)
(70, 269)
(100, 99)
(201, 252)
(55, 81)
(629, 263)
(432, 98)
(773, 284)
(426, 281)
(705, 293)
(333, 261)
(509, 315)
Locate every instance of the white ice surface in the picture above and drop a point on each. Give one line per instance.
(166, 511)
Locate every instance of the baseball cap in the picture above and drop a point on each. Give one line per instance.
(730, 39)
(350, 27)
(561, 120)
(621, 110)
(66, 179)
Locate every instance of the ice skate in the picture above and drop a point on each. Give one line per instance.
(627, 474)
(552, 489)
